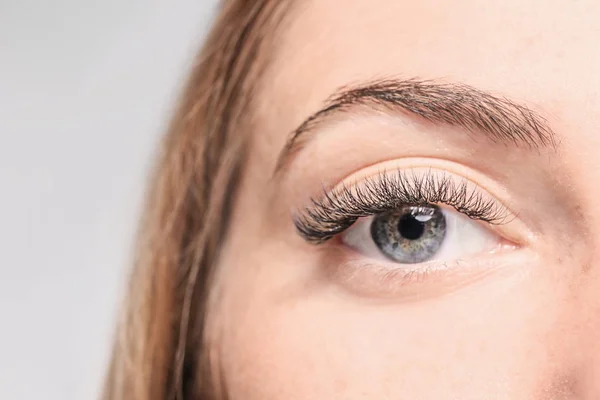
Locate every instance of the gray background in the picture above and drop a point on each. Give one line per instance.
(86, 88)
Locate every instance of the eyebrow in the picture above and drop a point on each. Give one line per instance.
(497, 118)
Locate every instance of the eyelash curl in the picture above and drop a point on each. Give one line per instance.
(336, 210)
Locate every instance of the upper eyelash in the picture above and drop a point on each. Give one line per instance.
(336, 210)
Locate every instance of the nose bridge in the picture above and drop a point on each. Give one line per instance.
(586, 329)
(588, 377)
(578, 251)
(592, 325)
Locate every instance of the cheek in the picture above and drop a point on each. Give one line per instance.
(285, 341)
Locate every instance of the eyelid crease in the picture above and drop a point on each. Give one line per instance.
(337, 209)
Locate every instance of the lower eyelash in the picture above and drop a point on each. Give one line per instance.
(337, 209)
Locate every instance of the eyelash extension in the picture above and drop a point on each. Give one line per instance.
(336, 210)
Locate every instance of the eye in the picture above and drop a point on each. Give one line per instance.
(418, 234)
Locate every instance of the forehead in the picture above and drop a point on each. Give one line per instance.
(540, 52)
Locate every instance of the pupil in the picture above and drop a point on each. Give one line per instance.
(410, 228)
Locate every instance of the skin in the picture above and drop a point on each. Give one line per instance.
(297, 321)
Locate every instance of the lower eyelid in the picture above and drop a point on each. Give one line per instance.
(384, 280)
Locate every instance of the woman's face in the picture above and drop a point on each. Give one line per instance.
(432, 234)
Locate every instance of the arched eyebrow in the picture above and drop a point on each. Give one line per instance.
(482, 114)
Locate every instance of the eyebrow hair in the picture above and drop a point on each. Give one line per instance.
(497, 118)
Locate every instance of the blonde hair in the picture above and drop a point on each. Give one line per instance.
(161, 350)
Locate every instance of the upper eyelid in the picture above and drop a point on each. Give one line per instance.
(420, 185)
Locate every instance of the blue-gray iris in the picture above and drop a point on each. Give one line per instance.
(411, 234)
